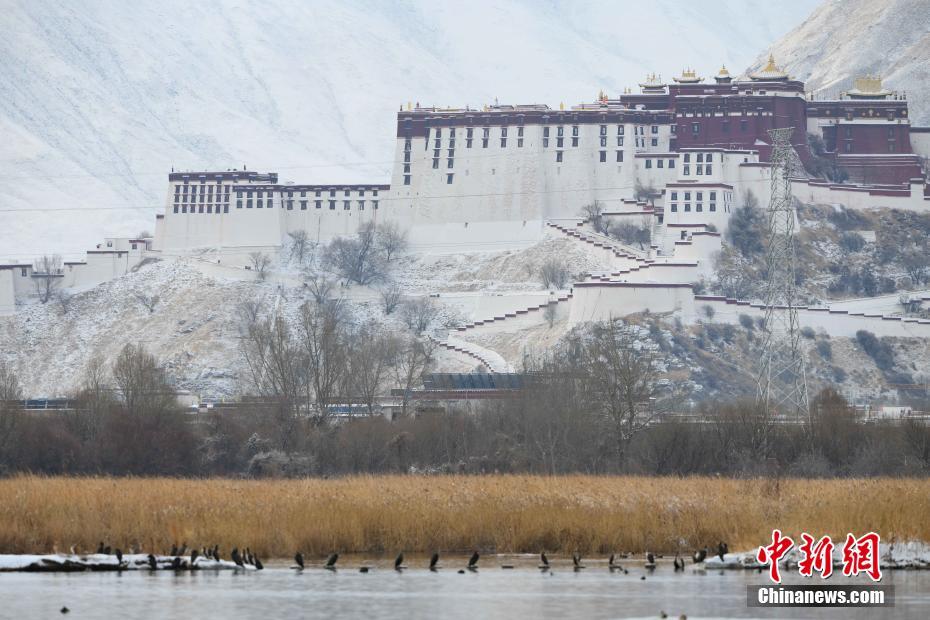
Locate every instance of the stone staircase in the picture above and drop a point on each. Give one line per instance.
(515, 313)
(491, 360)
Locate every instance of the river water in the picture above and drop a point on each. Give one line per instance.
(492, 592)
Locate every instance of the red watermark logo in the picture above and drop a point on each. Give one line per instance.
(860, 555)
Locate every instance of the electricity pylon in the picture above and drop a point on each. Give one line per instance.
(782, 377)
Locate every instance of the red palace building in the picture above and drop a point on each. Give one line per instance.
(863, 136)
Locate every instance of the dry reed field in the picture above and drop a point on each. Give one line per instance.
(454, 513)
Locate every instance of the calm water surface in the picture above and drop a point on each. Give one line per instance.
(492, 592)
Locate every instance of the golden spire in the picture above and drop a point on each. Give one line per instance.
(723, 71)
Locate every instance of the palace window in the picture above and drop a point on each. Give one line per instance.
(258, 203)
(318, 193)
(435, 163)
(700, 169)
(545, 132)
(560, 130)
(225, 209)
(406, 168)
(449, 179)
(603, 156)
(519, 142)
(503, 143)
(700, 158)
(674, 208)
(503, 132)
(318, 204)
(484, 143)
(437, 143)
(619, 130)
(603, 130)
(303, 205)
(603, 141)
(660, 163)
(743, 124)
(451, 143)
(332, 205)
(406, 179)
(486, 132)
(713, 206)
(346, 205)
(707, 169)
(177, 199)
(709, 157)
(175, 208)
(574, 141)
(655, 142)
(619, 156)
(439, 132)
(545, 143)
(332, 193)
(449, 163)
(620, 141)
(558, 156)
(687, 170)
(687, 207)
(467, 143)
(469, 132)
(361, 205)
(671, 163)
(559, 142)
(687, 157)
(183, 208)
(648, 163)
(674, 196)
(374, 204)
(406, 156)
(347, 193)
(699, 207)
(655, 129)
(239, 203)
(891, 147)
(248, 203)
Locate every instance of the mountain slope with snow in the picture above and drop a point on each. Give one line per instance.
(99, 99)
(845, 39)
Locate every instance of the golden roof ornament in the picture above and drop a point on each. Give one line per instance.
(770, 71)
(688, 76)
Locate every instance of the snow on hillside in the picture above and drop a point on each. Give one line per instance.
(845, 39)
(99, 99)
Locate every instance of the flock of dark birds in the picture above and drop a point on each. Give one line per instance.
(613, 562)
(182, 561)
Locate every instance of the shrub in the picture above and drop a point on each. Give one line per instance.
(746, 321)
(851, 242)
(839, 375)
(808, 332)
(880, 352)
(825, 349)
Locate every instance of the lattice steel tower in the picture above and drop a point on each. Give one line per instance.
(782, 378)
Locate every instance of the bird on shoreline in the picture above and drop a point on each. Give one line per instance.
(236, 557)
(650, 560)
(679, 563)
(119, 558)
(722, 549)
(299, 558)
(257, 563)
(194, 555)
(613, 564)
(576, 561)
(473, 561)
(700, 555)
(152, 563)
(331, 562)
(433, 561)
(100, 548)
(399, 562)
(545, 562)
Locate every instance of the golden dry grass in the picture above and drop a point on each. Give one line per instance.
(455, 513)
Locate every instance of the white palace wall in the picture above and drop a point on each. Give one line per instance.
(7, 291)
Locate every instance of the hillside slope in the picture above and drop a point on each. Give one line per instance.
(844, 39)
(100, 99)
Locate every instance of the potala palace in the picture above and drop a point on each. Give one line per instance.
(676, 157)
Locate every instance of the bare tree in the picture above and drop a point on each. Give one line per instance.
(391, 240)
(418, 313)
(250, 311)
(10, 417)
(412, 359)
(9, 384)
(371, 353)
(619, 380)
(632, 234)
(148, 301)
(142, 382)
(47, 276)
(323, 336)
(260, 262)
(357, 259)
(916, 264)
(594, 214)
(320, 286)
(64, 301)
(301, 246)
(554, 273)
(391, 295)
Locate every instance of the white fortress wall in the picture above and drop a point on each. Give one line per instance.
(7, 291)
(834, 321)
(859, 197)
(595, 301)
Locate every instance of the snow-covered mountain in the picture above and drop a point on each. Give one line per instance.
(845, 39)
(98, 99)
